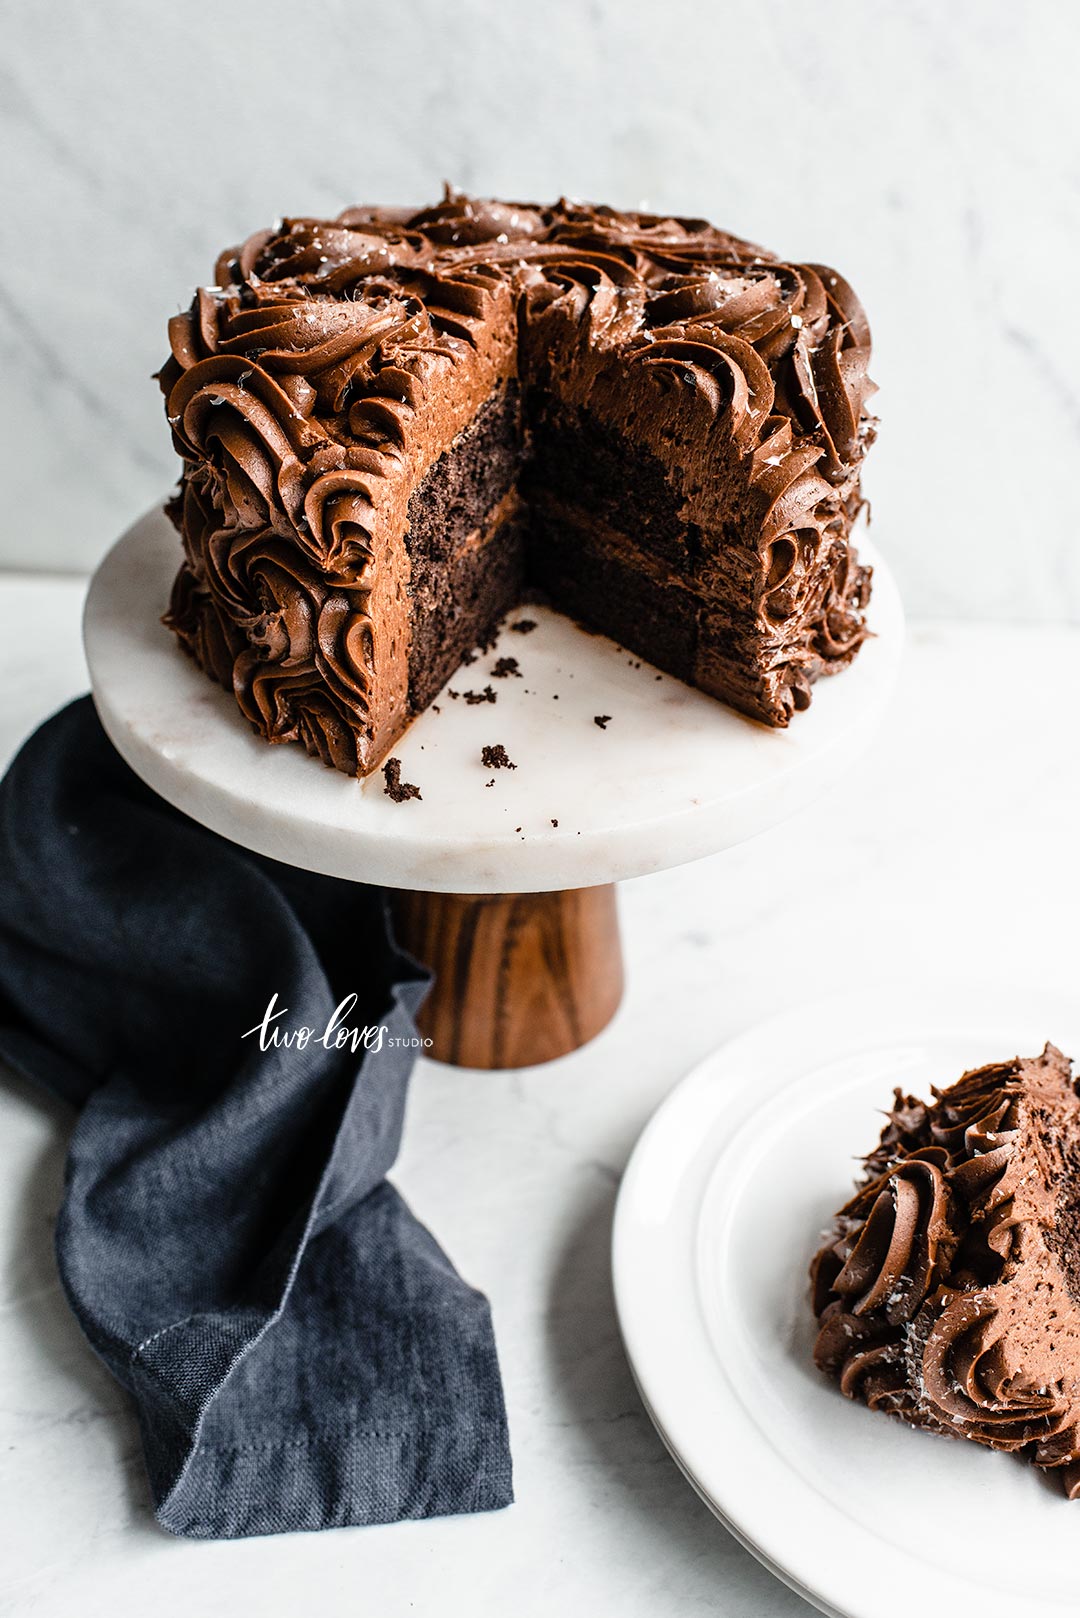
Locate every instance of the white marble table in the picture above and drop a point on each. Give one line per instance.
(952, 852)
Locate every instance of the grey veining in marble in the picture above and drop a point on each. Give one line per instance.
(930, 151)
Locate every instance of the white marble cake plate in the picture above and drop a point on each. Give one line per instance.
(673, 776)
(504, 879)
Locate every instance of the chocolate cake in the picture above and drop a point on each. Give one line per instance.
(393, 424)
(949, 1291)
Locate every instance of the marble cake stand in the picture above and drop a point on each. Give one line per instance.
(503, 879)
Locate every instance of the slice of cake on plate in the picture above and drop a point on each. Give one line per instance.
(948, 1292)
(393, 423)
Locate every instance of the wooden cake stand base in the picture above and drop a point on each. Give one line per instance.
(520, 978)
(502, 877)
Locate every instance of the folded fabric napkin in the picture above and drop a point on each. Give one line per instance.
(300, 1351)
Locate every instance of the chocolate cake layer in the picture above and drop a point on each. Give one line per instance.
(385, 418)
(948, 1292)
(475, 589)
(466, 544)
(582, 462)
(605, 587)
(465, 485)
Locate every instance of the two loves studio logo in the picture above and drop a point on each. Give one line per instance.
(273, 1032)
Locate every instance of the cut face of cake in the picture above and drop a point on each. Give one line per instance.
(949, 1291)
(393, 424)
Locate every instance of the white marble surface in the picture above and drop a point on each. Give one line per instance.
(670, 776)
(930, 151)
(952, 850)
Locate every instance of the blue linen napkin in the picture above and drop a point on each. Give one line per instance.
(301, 1353)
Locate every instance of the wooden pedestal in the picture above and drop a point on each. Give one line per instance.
(520, 978)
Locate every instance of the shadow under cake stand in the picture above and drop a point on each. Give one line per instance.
(503, 879)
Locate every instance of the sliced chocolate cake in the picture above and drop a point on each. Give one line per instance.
(949, 1291)
(393, 422)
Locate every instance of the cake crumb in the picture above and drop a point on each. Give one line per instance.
(486, 695)
(506, 668)
(496, 758)
(602, 719)
(554, 822)
(396, 789)
(524, 626)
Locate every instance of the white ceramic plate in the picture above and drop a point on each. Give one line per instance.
(719, 1214)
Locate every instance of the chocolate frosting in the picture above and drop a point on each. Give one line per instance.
(312, 387)
(949, 1290)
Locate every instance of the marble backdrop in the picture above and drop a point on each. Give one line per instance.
(931, 151)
